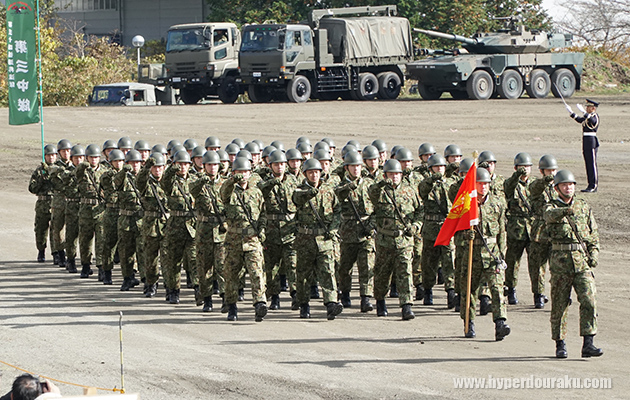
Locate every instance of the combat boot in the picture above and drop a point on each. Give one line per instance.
(215, 287)
(501, 329)
(381, 308)
(100, 273)
(428, 297)
(485, 306)
(224, 306)
(232, 312)
(174, 299)
(71, 266)
(333, 309)
(407, 314)
(511, 295)
(589, 349)
(134, 281)
(41, 257)
(207, 304)
(561, 349)
(167, 294)
(275, 302)
(86, 271)
(450, 298)
(539, 301)
(366, 306)
(305, 311)
(440, 276)
(419, 292)
(284, 286)
(315, 292)
(241, 294)
(198, 299)
(345, 300)
(471, 331)
(126, 285)
(457, 302)
(189, 282)
(261, 311)
(150, 290)
(55, 258)
(107, 277)
(294, 303)
(393, 291)
(62, 258)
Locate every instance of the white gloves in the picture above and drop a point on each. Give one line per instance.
(568, 107)
(581, 108)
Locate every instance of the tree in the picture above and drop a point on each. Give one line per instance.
(604, 23)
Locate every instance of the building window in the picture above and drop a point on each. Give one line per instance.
(86, 5)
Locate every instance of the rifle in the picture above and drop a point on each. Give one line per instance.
(523, 199)
(319, 220)
(157, 198)
(215, 206)
(248, 214)
(186, 199)
(366, 231)
(578, 237)
(135, 189)
(96, 187)
(500, 262)
(400, 214)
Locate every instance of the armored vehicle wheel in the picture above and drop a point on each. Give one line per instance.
(563, 83)
(480, 86)
(429, 92)
(189, 96)
(368, 86)
(459, 94)
(539, 84)
(229, 90)
(299, 89)
(388, 85)
(259, 94)
(511, 86)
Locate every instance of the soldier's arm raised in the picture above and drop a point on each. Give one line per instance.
(36, 181)
(555, 214)
(227, 189)
(168, 179)
(425, 186)
(303, 194)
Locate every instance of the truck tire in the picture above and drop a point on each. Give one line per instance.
(511, 86)
(299, 89)
(389, 85)
(539, 84)
(429, 92)
(368, 86)
(563, 83)
(229, 90)
(259, 94)
(189, 96)
(480, 85)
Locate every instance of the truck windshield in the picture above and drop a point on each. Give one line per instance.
(186, 39)
(109, 94)
(260, 39)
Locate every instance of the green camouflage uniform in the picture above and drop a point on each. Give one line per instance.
(569, 266)
(71, 190)
(413, 179)
(314, 243)
(110, 218)
(129, 222)
(243, 242)
(518, 225)
(42, 186)
(394, 237)
(58, 206)
(373, 176)
(541, 192)
(91, 212)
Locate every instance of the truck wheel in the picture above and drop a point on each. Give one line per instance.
(388, 85)
(563, 83)
(368, 86)
(299, 89)
(539, 84)
(429, 92)
(259, 94)
(459, 94)
(229, 90)
(189, 96)
(511, 86)
(480, 86)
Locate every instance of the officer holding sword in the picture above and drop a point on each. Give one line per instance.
(590, 122)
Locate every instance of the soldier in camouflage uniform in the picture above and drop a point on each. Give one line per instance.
(58, 205)
(41, 186)
(196, 156)
(519, 217)
(294, 162)
(372, 171)
(211, 229)
(68, 180)
(356, 232)
(541, 192)
(381, 148)
(318, 222)
(110, 216)
(246, 220)
(425, 151)
(574, 253)
(397, 211)
(489, 243)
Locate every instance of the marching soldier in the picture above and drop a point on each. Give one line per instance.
(69, 183)
(196, 156)
(212, 143)
(144, 148)
(294, 162)
(488, 161)
(373, 170)
(108, 146)
(110, 216)
(453, 155)
(58, 205)
(425, 151)
(381, 148)
(41, 186)
(124, 144)
(590, 144)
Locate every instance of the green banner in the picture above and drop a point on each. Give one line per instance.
(22, 69)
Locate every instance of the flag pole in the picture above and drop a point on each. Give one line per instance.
(41, 89)
(469, 283)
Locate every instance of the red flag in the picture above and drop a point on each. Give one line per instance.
(465, 212)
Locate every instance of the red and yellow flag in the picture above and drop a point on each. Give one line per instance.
(465, 212)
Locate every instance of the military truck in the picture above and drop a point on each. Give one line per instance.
(202, 61)
(353, 53)
(499, 64)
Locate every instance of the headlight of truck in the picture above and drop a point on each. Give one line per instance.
(209, 67)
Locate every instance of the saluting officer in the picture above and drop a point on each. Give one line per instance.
(590, 144)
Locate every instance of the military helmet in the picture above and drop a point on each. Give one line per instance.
(392, 165)
(404, 154)
(260, 143)
(241, 164)
(223, 155)
(232, 148)
(190, 144)
(211, 157)
(522, 159)
(116, 155)
(331, 143)
(302, 139)
(239, 142)
(160, 159)
(426, 148)
(311, 163)
(486, 156)
(267, 151)
(182, 156)
(198, 152)
(64, 144)
(436, 160)
(125, 143)
(244, 154)
(321, 145)
(212, 141)
(452, 150)
(465, 164)
(294, 154)
(142, 145)
(50, 149)
(177, 148)
(353, 158)
(253, 148)
(322, 155)
(77, 150)
(159, 148)
(110, 144)
(277, 156)
(380, 145)
(349, 147)
(547, 162)
(370, 152)
(304, 147)
(355, 143)
(172, 144)
(483, 175)
(563, 176)
(395, 150)
(92, 151)
(278, 145)
(133, 155)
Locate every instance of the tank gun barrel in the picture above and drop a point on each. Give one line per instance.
(449, 36)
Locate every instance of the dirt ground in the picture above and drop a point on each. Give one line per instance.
(58, 325)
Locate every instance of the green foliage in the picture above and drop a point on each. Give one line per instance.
(153, 51)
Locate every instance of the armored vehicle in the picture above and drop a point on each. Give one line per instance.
(499, 64)
(352, 53)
